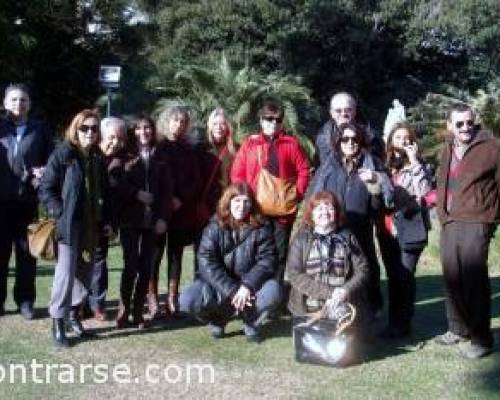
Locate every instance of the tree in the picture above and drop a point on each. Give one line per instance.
(240, 91)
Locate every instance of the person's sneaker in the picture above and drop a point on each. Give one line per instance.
(251, 333)
(26, 310)
(217, 331)
(473, 351)
(449, 338)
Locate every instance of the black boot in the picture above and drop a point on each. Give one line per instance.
(74, 323)
(59, 333)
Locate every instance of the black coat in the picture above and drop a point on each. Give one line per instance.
(62, 190)
(226, 261)
(359, 201)
(33, 151)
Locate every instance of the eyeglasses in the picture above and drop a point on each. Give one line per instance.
(347, 110)
(347, 139)
(269, 118)
(87, 128)
(460, 124)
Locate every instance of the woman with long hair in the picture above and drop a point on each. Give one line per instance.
(411, 184)
(237, 264)
(145, 212)
(74, 188)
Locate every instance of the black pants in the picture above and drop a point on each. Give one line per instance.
(138, 246)
(15, 216)
(400, 266)
(281, 235)
(99, 276)
(464, 255)
(364, 236)
(177, 240)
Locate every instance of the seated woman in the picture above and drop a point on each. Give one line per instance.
(237, 262)
(325, 262)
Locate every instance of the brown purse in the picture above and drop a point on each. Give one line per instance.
(42, 239)
(276, 197)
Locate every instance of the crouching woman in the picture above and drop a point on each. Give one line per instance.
(237, 261)
(325, 264)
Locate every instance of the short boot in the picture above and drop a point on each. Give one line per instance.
(74, 323)
(152, 297)
(59, 333)
(122, 316)
(172, 303)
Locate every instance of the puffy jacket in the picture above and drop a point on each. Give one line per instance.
(477, 195)
(359, 200)
(228, 258)
(293, 163)
(304, 285)
(62, 190)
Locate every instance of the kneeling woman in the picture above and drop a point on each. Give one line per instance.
(325, 263)
(237, 261)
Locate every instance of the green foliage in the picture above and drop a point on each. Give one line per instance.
(240, 91)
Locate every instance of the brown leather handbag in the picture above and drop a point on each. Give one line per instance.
(277, 197)
(42, 239)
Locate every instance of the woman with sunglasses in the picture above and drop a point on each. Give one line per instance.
(411, 185)
(359, 181)
(74, 188)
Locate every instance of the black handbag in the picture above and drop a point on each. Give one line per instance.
(412, 227)
(325, 341)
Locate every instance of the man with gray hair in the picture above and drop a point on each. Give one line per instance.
(343, 110)
(112, 144)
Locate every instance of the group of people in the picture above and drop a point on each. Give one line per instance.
(162, 187)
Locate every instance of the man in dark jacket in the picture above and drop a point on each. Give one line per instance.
(468, 207)
(24, 149)
(343, 110)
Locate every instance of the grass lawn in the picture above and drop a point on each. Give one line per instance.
(411, 369)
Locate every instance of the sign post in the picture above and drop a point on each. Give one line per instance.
(109, 78)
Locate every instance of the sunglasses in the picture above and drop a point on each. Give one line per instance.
(269, 118)
(347, 139)
(460, 124)
(87, 128)
(342, 110)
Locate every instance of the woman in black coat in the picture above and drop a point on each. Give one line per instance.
(146, 201)
(74, 189)
(237, 262)
(359, 182)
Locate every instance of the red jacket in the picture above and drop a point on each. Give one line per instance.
(293, 163)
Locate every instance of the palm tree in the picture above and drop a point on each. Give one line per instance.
(240, 92)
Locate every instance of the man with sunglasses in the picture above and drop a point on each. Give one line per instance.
(343, 110)
(468, 207)
(281, 154)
